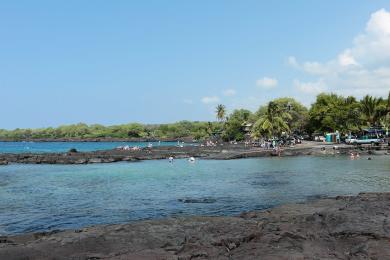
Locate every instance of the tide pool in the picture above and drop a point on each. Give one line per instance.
(48, 197)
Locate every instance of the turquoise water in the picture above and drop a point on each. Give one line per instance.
(56, 147)
(49, 197)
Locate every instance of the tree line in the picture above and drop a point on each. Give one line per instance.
(285, 116)
(282, 116)
(182, 129)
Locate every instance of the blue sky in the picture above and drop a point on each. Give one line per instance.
(113, 62)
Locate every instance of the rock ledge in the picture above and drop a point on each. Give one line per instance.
(345, 227)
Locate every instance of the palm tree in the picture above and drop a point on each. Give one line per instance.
(273, 123)
(385, 120)
(221, 112)
(385, 123)
(373, 109)
(388, 103)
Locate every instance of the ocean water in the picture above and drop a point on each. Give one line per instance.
(56, 147)
(49, 197)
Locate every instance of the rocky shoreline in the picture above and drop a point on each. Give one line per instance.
(345, 227)
(103, 139)
(225, 152)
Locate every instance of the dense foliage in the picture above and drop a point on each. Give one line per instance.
(282, 116)
(331, 112)
(234, 127)
(197, 130)
(273, 122)
(293, 113)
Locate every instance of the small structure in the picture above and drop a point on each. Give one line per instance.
(247, 128)
(332, 137)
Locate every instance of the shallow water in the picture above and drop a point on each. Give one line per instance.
(48, 197)
(56, 147)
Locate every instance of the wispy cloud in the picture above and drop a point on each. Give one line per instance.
(267, 82)
(314, 87)
(210, 100)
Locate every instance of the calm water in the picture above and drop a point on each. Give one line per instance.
(47, 197)
(55, 147)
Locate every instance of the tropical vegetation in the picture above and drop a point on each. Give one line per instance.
(283, 116)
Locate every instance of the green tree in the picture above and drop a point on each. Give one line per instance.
(272, 123)
(298, 112)
(373, 109)
(385, 120)
(332, 112)
(234, 126)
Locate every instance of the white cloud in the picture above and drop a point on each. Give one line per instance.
(210, 100)
(315, 68)
(267, 83)
(379, 22)
(363, 68)
(346, 58)
(315, 87)
(229, 92)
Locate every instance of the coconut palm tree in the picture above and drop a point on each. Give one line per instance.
(273, 123)
(373, 109)
(221, 112)
(385, 120)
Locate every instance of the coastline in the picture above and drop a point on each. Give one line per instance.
(343, 227)
(225, 152)
(105, 139)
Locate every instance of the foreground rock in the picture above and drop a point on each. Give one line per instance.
(225, 152)
(338, 228)
(3, 162)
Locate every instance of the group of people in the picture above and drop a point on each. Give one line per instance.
(269, 144)
(191, 159)
(180, 144)
(354, 155)
(209, 144)
(134, 148)
(128, 148)
(272, 144)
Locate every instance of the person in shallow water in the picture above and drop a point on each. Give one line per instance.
(354, 155)
(171, 159)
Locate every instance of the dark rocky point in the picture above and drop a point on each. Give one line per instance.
(201, 200)
(72, 150)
